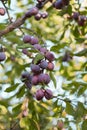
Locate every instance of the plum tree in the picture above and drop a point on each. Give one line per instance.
(43, 65)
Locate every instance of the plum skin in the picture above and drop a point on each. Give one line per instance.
(48, 94)
(35, 80)
(26, 38)
(2, 56)
(39, 94)
(35, 68)
(50, 66)
(49, 56)
(44, 78)
(43, 64)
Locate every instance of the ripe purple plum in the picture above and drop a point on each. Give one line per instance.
(49, 56)
(31, 12)
(58, 4)
(27, 39)
(48, 94)
(43, 50)
(39, 94)
(2, 56)
(26, 76)
(28, 84)
(37, 46)
(81, 20)
(60, 125)
(44, 15)
(25, 51)
(75, 16)
(2, 11)
(35, 68)
(44, 78)
(43, 64)
(41, 78)
(35, 79)
(34, 40)
(37, 16)
(50, 66)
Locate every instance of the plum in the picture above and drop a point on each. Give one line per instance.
(26, 76)
(28, 84)
(37, 46)
(58, 4)
(25, 51)
(39, 94)
(60, 125)
(31, 12)
(2, 56)
(2, 11)
(81, 20)
(43, 64)
(37, 16)
(75, 16)
(48, 94)
(27, 39)
(43, 50)
(34, 40)
(49, 56)
(35, 79)
(44, 15)
(50, 66)
(35, 68)
(44, 78)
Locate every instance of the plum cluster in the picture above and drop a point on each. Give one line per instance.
(59, 4)
(38, 73)
(43, 93)
(2, 11)
(2, 56)
(34, 11)
(80, 19)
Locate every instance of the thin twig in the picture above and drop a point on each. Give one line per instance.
(7, 12)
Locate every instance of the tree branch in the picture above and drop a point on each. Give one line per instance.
(13, 26)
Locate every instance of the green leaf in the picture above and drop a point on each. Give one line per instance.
(69, 109)
(9, 2)
(53, 79)
(84, 125)
(81, 53)
(80, 110)
(38, 57)
(24, 46)
(12, 88)
(17, 109)
(21, 92)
